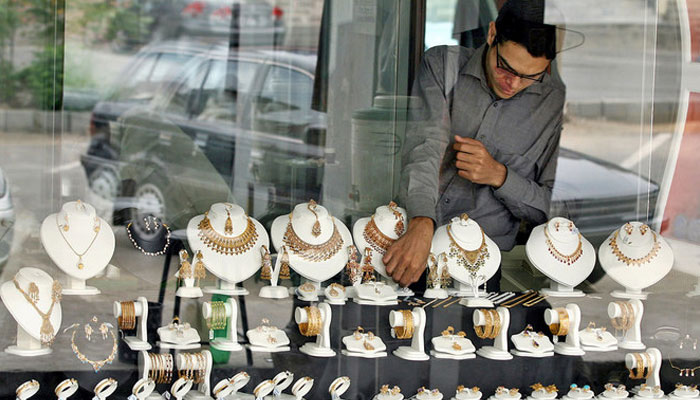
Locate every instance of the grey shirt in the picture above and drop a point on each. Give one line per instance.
(521, 132)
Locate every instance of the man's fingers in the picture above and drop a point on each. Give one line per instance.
(464, 174)
(416, 274)
(466, 140)
(468, 148)
(398, 274)
(387, 258)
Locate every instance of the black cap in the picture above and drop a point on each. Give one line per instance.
(526, 10)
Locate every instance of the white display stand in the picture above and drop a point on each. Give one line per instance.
(576, 393)
(684, 392)
(239, 381)
(267, 339)
(468, 235)
(230, 342)
(653, 380)
(338, 387)
(98, 247)
(388, 395)
(415, 352)
(222, 389)
(203, 389)
(635, 245)
(386, 222)
(375, 294)
(467, 394)
(189, 290)
(308, 291)
(428, 394)
(66, 389)
(444, 347)
(572, 345)
(105, 388)
(632, 338)
(282, 381)
(436, 266)
(542, 394)
(356, 348)
(27, 389)
(322, 347)
(302, 387)
(525, 345)
(597, 340)
(564, 277)
(613, 393)
(188, 339)
(140, 341)
(499, 350)
(229, 269)
(335, 294)
(180, 388)
(263, 389)
(302, 222)
(274, 291)
(29, 322)
(142, 389)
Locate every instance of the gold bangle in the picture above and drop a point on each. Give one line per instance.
(638, 371)
(127, 318)
(312, 326)
(406, 330)
(26, 386)
(484, 331)
(109, 381)
(649, 365)
(65, 385)
(496, 329)
(563, 321)
(630, 315)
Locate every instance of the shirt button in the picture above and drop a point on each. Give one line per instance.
(495, 105)
(447, 201)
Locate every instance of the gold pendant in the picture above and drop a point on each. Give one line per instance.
(80, 263)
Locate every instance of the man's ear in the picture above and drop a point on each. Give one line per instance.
(492, 33)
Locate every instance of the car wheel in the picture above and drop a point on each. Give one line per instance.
(104, 183)
(149, 199)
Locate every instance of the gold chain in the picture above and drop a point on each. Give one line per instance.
(80, 264)
(563, 258)
(96, 365)
(227, 245)
(376, 238)
(312, 252)
(634, 261)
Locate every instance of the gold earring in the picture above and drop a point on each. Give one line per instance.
(266, 272)
(200, 271)
(33, 292)
(367, 268)
(629, 228)
(643, 229)
(316, 229)
(88, 332)
(445, 278)
(285, 273)
(399, 227)
(65, 226)
(228, 228)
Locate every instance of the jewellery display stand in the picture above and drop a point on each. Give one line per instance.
(267, 339)
(499, 350)
(302, 387)
(338, 387)
(170, 338)
(263, 389)
(632, 338)
(282, 381)
(635, 257)
(105, 388)
(322, 347)
(597, 340)
(576, 393)
(145, 367)
(274, 291)
(239, 381)
(653, 380)
(142, 389)
(436, 267)
(426, 394)
(375, 294)
(71, 241)
(27, 389)
(444, 347)
(66, 389)
(571, 346)
(461, 239)
(303, 225)
(307, 291)
(233, 265)
(335, 294)
(389, 222)
(357, 348)
(181, 388)
(553, 248)
(467, 394)
(684, 392)
(230, 342)
(542, 395)
(203, 389)
(613, 393)
(222, 389)
(531, 344)
(29, 322)
(415, 352)
(140, 341)
(189, 290)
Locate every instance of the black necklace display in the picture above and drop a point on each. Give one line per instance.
(150, 235)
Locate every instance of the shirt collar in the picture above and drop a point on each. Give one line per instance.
(475, 68)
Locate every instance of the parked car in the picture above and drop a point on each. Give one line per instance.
(7, 219)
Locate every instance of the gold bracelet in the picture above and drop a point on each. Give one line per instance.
(484, 331)
(338, 382)
(108, 381)
(313, 324)
(649, 365)
(261, 385)
(638, 371)
(563, 321)
(127, 319)
(630, 315)
(496, 324)
(26, 386)
(64, 385)
(406, 330)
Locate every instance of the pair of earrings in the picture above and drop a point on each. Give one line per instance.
(66, 226)
(147, 221)
(266, 272)
(642, 229)
(570, 225)
(103, 329)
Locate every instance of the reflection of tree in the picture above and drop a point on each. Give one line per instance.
(9, 24)
(117, 22)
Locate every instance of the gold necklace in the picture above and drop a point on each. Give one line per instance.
(471, 260)
(96, 365)
(227, 245)
(80, 264)
(312, 252)
(634, 261)
(683, 371)
(46, 332)
(563, 258)
(376, 238)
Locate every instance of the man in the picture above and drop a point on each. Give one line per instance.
(486, 139)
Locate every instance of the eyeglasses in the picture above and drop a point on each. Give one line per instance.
(502, 64)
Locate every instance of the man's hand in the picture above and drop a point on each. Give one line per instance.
(474, 163)
(406, 259)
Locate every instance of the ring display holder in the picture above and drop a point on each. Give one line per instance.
(66, 389)
(29, 322)
(543, 393)
(364, 345)
(651, 388)
(238, 382)
(335, 294)
(181, 388)
(274, 291)
(499, 350)
(571, 346)
(375, 294)
(142, 389)
(140, 341)
(577, 393)
(282, 381)
(230, 342)
(222, 389)
(562, 254)
(428, 394)
(632, 337)
(322, 346)
(267, 339)
(189, 289)
(452, 346)
(263, 389)
(201, 392)
(613, 392)
(178, 336)
(531, 344)
(308, 291)
(415, 352)
(463, 393)
(105, 388)
(597, 340)
(80, 243)
(302, 387)
(684, 392)
(338, 387)
(27, 389)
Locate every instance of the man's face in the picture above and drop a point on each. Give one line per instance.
(510, 68)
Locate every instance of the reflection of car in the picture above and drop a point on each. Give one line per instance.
(248, 22)
(7, 218)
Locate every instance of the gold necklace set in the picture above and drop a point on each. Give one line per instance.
(376, 239)
(567, 259)
(65, 227)
(634, 261)
(312, 252)
(46, 332)
(471, 260)
(227, 245)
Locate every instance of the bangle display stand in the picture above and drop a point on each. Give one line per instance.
(531, 344)
(274, 291)
(632, 337)
(571, 346)
(322, 346)
(302, 387)
(364, 345)
(415, 352)
(651, 388)
(140, 341)
(267, 339)
(452, 346)
(499, 350)
(201, 392)
(230, 342)
(145, 367)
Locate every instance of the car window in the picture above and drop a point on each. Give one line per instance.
(167, 64)
(225, 82)
(286, 89)
(187, 90)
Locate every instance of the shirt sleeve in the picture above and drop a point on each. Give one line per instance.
(530, 199)
(427, 137)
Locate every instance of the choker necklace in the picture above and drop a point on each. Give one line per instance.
(634, 261)
(471, 260)
(80, 264)
(46, 332)
(312, 252)
(563, 258)
(376, 238)
(227, 245)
